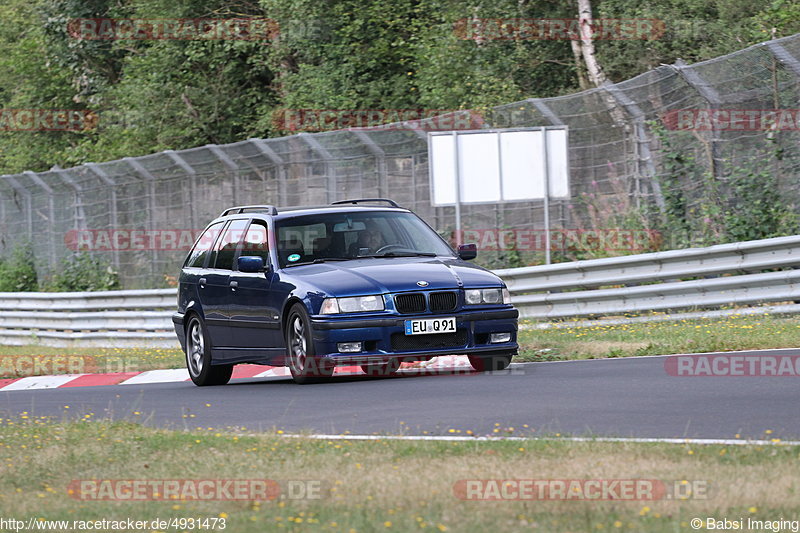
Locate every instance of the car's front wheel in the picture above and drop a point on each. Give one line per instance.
(198, 357)
(305, 368)
(486, 363)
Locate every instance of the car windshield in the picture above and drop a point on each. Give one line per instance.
(344, 236)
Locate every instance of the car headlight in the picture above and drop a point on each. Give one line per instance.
(487, 296)
(356, 304)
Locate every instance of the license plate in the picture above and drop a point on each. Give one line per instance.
(425, 326)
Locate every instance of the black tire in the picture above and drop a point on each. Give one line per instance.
(305, 368)
(198, 356)
(487, 363)
(388, 368)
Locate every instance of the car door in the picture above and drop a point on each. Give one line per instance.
(215, 286)
(255, 317)
(195, 272)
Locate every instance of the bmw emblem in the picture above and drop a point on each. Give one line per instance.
(422, 283)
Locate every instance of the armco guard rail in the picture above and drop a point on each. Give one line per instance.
(658, 281)
(104, 318)
(677, 280)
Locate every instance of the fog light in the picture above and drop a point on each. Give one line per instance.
(499, 337)
(348, 347)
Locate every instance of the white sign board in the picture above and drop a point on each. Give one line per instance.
(498, 165)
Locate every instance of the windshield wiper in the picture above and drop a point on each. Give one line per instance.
(403, 254)
(321, 260)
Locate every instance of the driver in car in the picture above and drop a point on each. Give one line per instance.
(369, 242)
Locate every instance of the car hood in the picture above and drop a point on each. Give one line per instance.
(382, 275)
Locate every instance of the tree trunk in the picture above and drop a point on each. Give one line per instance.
(580, 69)
(596, 74)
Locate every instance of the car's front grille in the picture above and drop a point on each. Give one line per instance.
(413, 302)
(405, 343)
(442, 301)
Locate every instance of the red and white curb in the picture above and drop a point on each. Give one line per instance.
(439, 364)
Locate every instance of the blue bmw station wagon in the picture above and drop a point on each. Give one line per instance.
(359, 282)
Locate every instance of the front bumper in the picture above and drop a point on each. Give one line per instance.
(384, 337)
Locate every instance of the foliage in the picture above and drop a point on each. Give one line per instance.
(344, 54)
(18, 270)
(83, 272)
(746, 204)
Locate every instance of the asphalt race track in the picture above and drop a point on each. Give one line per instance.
(631, 397)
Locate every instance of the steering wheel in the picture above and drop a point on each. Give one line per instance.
(388, 247)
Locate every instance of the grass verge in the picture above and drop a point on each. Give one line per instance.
(33, 360)
(736, 332)
(383, 485)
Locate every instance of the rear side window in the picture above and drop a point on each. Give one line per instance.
(197, 257)
(225, 249)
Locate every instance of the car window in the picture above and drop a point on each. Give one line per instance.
(225, 249)
(256, 241)
(197, 257)
(298, 241)
(354, 235)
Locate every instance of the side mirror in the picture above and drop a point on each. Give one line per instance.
(468, 251)
(251, 263)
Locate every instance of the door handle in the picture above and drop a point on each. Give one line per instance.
(202, 282)
(233, 285)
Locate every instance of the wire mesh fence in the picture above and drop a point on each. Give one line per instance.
(651, 153)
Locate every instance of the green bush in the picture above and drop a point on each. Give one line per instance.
(82, 272)
(18, 271)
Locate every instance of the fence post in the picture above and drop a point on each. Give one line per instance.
(25, 193)
(112, 187)
(51, 212)
(264, 147)
(644, 158)
(785, 57)
(380, 160)
(192, 177)
(327, 157)
(151, 201)
(231, 164)
(711, 96)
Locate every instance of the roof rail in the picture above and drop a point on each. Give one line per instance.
(356, 202)
(270, 209)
